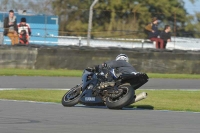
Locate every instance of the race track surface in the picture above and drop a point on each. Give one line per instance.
(25, 117)
(69, 82)
(30, 117)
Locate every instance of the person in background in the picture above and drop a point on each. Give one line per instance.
(23, 37)
(24, 31)
(10, 28)
(166, 35)
(153, 33)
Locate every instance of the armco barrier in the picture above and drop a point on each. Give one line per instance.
(70, 57)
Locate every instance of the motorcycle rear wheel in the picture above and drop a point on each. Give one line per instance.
(123, 100)
(72, 97)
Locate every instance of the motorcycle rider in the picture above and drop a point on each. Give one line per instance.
(120, 65)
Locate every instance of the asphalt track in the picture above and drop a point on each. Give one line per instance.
(68, 82)
(24, 117)
(31, 117)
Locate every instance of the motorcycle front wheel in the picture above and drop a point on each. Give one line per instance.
(72, 97)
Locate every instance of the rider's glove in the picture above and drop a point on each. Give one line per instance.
(96, 68)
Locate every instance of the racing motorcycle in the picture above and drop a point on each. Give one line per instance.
(112, 89)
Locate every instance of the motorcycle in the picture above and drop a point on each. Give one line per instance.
(112, 89)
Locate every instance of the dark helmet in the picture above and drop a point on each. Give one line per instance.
(23, 19)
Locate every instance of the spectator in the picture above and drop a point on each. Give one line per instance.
(23, 37)
(166, 35)
(25, 31)
(153, 33)
(10, 28)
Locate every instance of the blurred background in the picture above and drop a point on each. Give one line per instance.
(117, 23)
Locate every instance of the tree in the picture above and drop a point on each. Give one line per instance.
(2, 6)
(112, 18)
(196, 26)
(73, 16)
(35, 6)
(192, 24)
(133, 15)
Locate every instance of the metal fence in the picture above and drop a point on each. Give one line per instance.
(46, 30)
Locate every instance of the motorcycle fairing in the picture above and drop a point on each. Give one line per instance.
(88, 98)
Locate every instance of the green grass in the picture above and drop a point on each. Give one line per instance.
(176, 100)
(38, 95)
(35, 72)
(174, 76)
(78, 73)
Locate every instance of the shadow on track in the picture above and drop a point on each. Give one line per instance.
(149, 107)
(131, 107)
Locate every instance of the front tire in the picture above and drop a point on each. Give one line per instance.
(72, 97)
(123, 100)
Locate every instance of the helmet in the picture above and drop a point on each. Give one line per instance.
(122, 57)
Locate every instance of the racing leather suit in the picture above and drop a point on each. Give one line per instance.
(121, 66)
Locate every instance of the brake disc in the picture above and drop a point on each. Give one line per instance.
(116, 94)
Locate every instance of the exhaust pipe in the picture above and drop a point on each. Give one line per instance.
(140, 97)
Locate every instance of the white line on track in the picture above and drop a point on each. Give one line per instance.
(172, 89)
(25, 101)
(4, 89)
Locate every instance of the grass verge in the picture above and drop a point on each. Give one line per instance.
(38, 95)
(176, 100)
(78, 73)
(40, 72)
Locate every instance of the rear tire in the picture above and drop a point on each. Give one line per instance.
(123, 100)
(72, 97)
